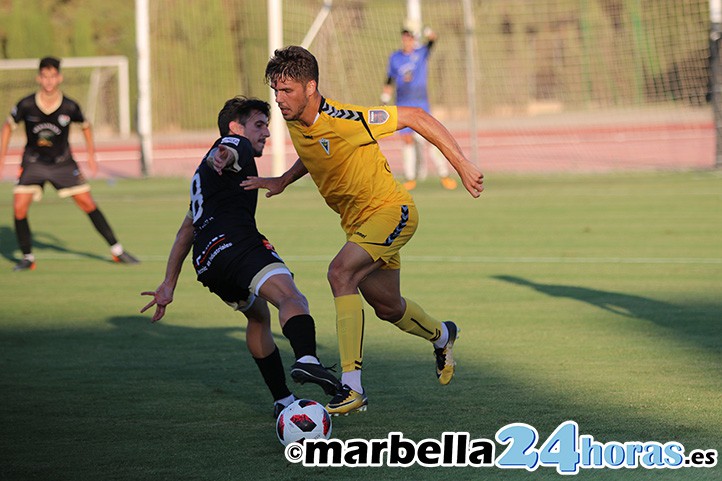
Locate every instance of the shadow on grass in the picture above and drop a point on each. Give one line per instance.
(692, 322)
(141, 399)
(8, 243)
(42, 241)
(222, 350)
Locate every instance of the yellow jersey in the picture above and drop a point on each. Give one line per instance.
(341, 152)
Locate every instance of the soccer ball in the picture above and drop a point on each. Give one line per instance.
(303, 419)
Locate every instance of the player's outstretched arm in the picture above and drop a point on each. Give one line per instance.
(435, 132)
(221, 158)
(276, 185)
(163, 295)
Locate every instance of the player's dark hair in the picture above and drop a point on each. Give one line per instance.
(49, 62)
(293, 62)
(240, 109)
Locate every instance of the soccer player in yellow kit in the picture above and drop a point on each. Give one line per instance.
(337, 144)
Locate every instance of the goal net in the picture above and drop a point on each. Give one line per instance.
(99, 84)
(569, 85)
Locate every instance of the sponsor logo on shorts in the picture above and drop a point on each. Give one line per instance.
(214, 247)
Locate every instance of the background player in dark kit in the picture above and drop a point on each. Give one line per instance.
(47, 158)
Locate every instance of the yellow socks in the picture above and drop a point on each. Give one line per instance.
(350, 328)
(350, 331)
(417, 322)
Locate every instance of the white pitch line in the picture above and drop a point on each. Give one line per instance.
(564, 260)
(469, 259)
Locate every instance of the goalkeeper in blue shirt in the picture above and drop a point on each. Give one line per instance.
(408, 71)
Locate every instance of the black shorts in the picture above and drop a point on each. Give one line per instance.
(235, 272)
(64, 176)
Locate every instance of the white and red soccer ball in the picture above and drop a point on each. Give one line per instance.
(303, 419)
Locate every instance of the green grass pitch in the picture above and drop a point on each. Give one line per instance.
(592, 298)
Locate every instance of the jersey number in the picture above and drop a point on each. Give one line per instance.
(196, 197)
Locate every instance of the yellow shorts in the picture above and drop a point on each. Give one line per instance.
(386, 232)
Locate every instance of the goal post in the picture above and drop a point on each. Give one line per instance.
(100, 84)
(543, 85)
(715, 76)
(413, 19)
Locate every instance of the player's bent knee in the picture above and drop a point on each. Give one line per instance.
(389, 314)
(298, 300)
(341, 280)
(289, 299)
(334, 277)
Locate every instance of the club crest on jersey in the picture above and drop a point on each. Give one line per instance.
(63, 120)
(326, 145)
(378, 116)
